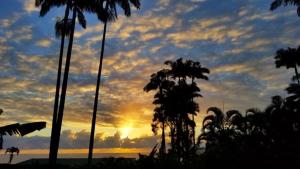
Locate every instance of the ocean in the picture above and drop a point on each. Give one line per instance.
(74, 153)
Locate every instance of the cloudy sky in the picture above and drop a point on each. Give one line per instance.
(235, 39)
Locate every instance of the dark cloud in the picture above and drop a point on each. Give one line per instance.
(80, 139)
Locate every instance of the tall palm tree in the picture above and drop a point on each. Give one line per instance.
(110, 14)
(78, 7)
(290, 58)
(77, 12)
(183, 69)
(159, 81)
(196, 71)
(60, 31)
(277, 3)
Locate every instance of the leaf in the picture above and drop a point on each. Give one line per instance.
(125, 6)
(31, 127)
(11, 129)
(136, 3)
(59, 26)
(208, 119)
(81, 18)
(38, 3)
(275, 4)
(44, 9)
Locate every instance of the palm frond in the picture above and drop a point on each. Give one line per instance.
(59, 26)
(31, 127)
(136, 3)
(275, 4)
(81, 18)
(12, 129)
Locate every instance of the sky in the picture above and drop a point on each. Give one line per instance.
(235, 39)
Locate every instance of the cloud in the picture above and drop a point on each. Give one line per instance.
(29, 6)
(79, 140)
(209, 30)
(44, 43)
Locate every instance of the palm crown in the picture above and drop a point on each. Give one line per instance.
(277, 3)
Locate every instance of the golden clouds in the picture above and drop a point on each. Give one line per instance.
(21, 34)
(44, 43)
(147, 25)
(29, 6)
(233, 68)
(210, 29)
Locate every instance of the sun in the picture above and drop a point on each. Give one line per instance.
(125, 131)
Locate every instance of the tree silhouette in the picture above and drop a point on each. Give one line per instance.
(60, 29)
(260, 139)
(110, 13)
(289, 58)
(277, 3)
(19, 129)
(159, 81)
(183, 104)
(294, 91)
(175, 105)
(11, 152)
(63, 27)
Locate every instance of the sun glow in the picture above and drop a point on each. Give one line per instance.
(125, 131)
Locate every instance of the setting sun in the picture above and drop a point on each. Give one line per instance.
(125, 131)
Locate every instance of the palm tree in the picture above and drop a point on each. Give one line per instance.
(76, 12)
(110, 14)
(277, 3)
(214, 121)
(294, 98)
(198, 72)
(60, 31)
(159, 81)
(188, 69)
(11, 152)
(175, 105)
(290, 58)
(78, 7)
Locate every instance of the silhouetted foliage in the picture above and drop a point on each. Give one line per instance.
(12, 151)
(175, 105)
(290, 58)
(277, 3)
(260, 139)
(19, 129)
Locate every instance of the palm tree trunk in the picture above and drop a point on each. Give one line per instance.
(163, 140)
(297, 75)
(179, 138)
(54, 118)
(193, 130)
(172, 130)
(63, 93)
(91, 146)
